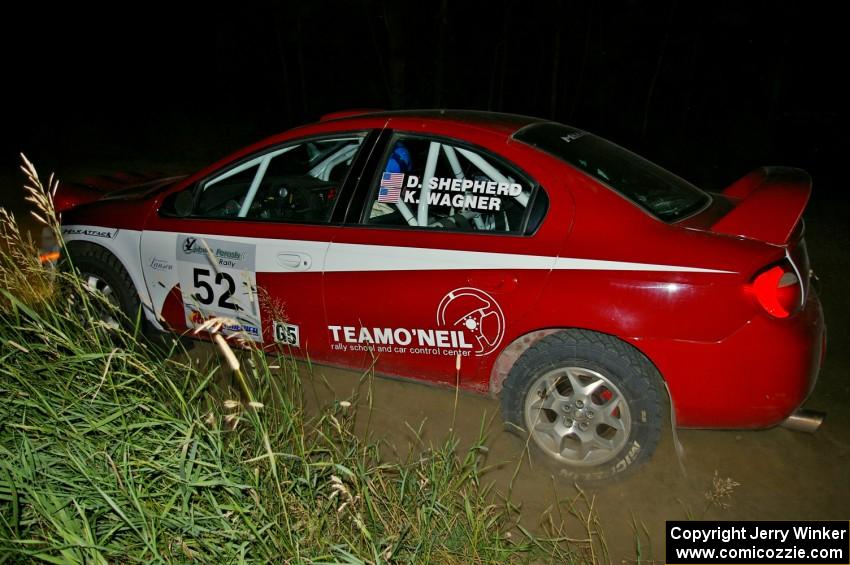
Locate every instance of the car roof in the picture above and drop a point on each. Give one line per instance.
(496, 121)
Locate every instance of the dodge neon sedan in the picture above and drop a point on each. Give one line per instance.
(517, 257)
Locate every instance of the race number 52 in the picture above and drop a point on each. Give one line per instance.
(209, 287)
(287, 334)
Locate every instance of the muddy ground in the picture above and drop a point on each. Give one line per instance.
(781, 474)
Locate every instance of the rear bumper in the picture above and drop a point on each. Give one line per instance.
(754, 378)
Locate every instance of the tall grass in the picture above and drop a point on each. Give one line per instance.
(114, 450)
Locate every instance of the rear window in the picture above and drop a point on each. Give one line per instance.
(432, 183)
(654, 189)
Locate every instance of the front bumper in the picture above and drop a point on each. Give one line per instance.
(754, 378)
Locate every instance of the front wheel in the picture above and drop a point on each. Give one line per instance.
(589, 403)
(103, 274)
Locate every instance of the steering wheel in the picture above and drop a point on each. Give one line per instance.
(231, 208)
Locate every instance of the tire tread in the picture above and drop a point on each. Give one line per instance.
(645, 379)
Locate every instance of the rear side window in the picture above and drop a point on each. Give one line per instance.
(431, 183)
(654, 189)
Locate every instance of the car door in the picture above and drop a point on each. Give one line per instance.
(440, 265)
(253, 246)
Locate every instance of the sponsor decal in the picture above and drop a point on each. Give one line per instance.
(469, 322)
(225, 254)
(158, 264)
(217, 278)
(468, 194)
(570, 137)
(477, 313)
(91, 232)
(252, 331)
(415, 341)
(197, 318)
(288, 334)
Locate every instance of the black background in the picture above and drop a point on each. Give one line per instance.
(709, 90)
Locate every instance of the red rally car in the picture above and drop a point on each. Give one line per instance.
(518, 257)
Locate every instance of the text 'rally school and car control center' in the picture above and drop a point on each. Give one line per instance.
(559, 271)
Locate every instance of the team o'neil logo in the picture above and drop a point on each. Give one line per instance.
(476, 314)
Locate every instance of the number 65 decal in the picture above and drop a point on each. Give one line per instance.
(199, 277)
(287, 334)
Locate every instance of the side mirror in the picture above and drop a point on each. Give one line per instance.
(178, 204)
(184, 203)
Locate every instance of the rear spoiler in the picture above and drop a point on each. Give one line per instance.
(769, 204)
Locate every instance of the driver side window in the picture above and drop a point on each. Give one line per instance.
(223, 196)
(429, 183)
(296, 183)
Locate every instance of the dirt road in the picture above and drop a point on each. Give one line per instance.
(782, 474)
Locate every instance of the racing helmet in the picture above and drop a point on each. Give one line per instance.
(399, 161)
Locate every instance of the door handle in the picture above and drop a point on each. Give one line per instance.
(294, 261)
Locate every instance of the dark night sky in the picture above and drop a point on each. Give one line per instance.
(710, 90)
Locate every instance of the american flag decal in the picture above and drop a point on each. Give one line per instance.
(390, 189)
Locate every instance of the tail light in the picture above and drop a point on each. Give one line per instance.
(777, 289)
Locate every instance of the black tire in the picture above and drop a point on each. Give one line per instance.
(94, 262)
(606, 425)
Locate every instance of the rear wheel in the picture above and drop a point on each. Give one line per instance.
(588, 403)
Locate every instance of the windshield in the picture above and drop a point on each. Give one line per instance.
(658, 191)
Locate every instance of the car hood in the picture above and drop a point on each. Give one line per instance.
(118, 186)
